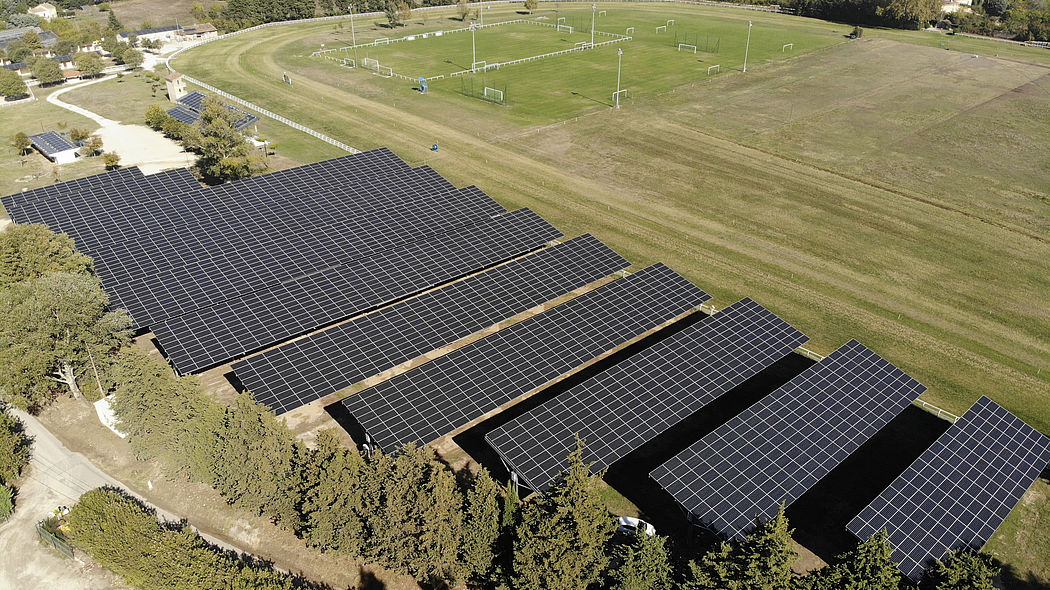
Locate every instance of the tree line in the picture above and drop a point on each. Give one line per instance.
(406, 512)
(14, 456)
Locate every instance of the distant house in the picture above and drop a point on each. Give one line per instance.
(48, 38)
(20, 67)
(56, 148)
(46, 11)
(951, 6)
(188, 109)
(197, 32)
(162, 34)
(64, 61)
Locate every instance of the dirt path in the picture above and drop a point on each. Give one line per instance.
(137, 145)
(56, 477)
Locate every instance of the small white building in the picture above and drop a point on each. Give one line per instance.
(951, 6)
(56, 148)
(46, 11)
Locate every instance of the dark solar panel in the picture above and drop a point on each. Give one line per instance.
(51, 143)
(310, 368)
(958, 492)
(234, 328)
(451, 391)
(194, 100)
(629, 404)
(127, 213)
(780, 447)
(15, 200)
(258, 264)
(184, 115)
(192, 105)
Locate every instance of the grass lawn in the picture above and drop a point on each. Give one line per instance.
(123, 99)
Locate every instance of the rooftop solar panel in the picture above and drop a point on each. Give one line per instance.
(780, 447)
(192, 105)
(50, 143)
(451, 391)
(258, 264)
(310, 368)
(184, 115)
(234, 328)
(629, 404)
(958, 492)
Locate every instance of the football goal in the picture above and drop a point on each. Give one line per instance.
(629, 30)
(687, 47)
(661, 28)
(381, 41)
(385, 71)
(482, 65)
(715, 68)
(566, 28)
(787, 46)
(493, 94)
(601, 13)
(370, 64)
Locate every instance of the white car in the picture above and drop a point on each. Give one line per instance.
(628, 524)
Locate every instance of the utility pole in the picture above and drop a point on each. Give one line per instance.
(594, 9)
(353, 34)
(748, 46)
(473, 49)
(619, 60)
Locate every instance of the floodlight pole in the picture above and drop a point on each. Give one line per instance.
(619, 60)
(353, 34)
(748, 46)
(473, 50)
(594, 9)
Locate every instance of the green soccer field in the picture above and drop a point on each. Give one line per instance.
(561, 86)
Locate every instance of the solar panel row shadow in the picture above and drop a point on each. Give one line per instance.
(233, 328)
(780, 447)
(958, 492)
(451, 391)
(168, 293)
(261, 199)
(629, 404)
(310, 368)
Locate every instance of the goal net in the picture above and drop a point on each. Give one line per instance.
(493, 94)
(566, 28)
(687, 47)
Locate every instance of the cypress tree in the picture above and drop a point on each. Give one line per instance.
(332, 502)
(561, 539)
(642, 564)
(762, 560)
(868, 567)
(481, 530)
(961, 570)
(437, 559)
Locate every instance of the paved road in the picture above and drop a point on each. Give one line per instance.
(56, 477)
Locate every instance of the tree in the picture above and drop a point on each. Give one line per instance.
(156, 116)
(481, 530)
(92, 146)
(17, 51)
(78, 134)
(996, 7)
(960, 570)
(111, 160)
(46, 71)
(63, 46)
(531, 5)
(642, 564)
(762, 560)
(113, 23)
(14, 448)
(32, 41)
(30, 251)
(21, 142)
(11, 84)
(462, 9)
(393, 15)
(89, 63)
(561, 539)
(224, 152)
(868, 567)
(910, 14)
(54, 329)
(332, 500)
(404, 12)
(131, 57)
(7, 502)
(436, 561)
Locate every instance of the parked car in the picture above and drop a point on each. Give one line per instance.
(636, 526)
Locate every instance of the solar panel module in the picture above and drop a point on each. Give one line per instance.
(781, 446)
(451, 391)
(310, 368)
(629, 404)
(958, 492)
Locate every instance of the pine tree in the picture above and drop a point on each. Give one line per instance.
(561, 539)
(868, 567)
(403, 500)
(642, 564)
(113, 24)
(762, 560)
(481, 530)
(379, 470)
(30, 251)
(961, 570)
(437, 560)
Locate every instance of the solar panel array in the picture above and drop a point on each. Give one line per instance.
(86, 183)
(449, 392)
(209, 336)
(51, 143)
(257, 261)
(184, 114)
(191, 107)
(780, 447)
(629, 404)
(310, 368)
(958, 492)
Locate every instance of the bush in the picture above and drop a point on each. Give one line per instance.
(7, 502)
(14, 448)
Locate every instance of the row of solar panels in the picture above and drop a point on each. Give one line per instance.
(364, 231)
